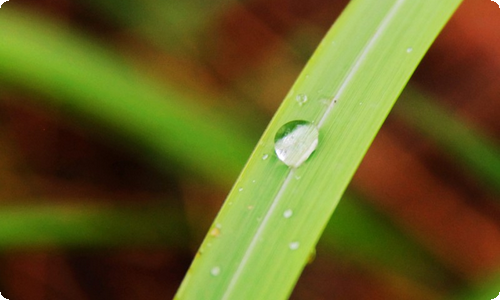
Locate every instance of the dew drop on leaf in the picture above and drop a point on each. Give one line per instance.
(301, 99)
(215, 232)
(409, 49)
(215, 271)
(294, 245)
(295, 142)
(288, 213)
(265, 156)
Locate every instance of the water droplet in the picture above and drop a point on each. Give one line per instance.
(295, 142)
(298, 177)
(294, 245)
(265, 156)
(409, 49)
(240, 189)
(288, 213)
(253, 181)
(301, 99)
(215, 271)
(215, 232)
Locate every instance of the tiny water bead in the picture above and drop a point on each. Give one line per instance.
(295, 142)
(294, 245)
(215, 271)
(265, 156)
(240, 189)
(288, 213)
(215, 232)
(409, 49)
(301, 99)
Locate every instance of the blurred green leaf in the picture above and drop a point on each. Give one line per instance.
(85, 80)
(469, 147)
(88, 226)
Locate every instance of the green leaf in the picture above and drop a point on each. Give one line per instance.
(254, 251)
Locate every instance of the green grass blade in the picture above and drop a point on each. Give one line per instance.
(90, 226)
(83, 79)
(253, 250)
(467, 145)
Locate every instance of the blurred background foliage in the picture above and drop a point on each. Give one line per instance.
(124, 123)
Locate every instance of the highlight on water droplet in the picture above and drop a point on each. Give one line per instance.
(240, 189)
(409, 49)
(265, 156)
(294, 245)
(295, 142)
(301, 99)
(288, 213)
(215, 271)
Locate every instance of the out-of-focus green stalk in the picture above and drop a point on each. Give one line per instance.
(487, 289)
(91, 226)
(470, 147)
(356, 230)
(86, 81)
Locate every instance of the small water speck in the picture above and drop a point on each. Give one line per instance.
(298, 177)
(409, 49)
(215, 271)
(295, 142)
(215, 232)
(288, 213)
(265, 156)
(218, 225)
(294, 245)
(253, 181)
(301, 99)
(240, 189)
